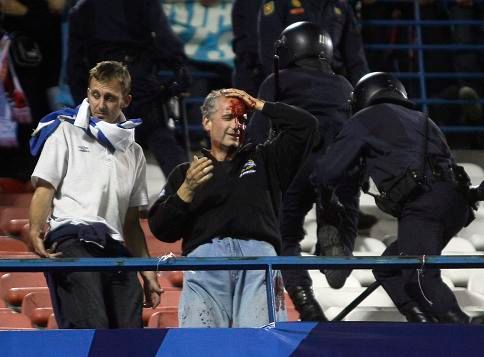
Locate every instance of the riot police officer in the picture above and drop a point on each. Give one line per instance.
(248, 73)
(307, 80)
(407, 156)
(333, 16)
(138, 34)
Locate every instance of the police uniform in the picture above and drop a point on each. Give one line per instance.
(248, 73)
(390, 138)
(334, 16)
(323, 94)
(139, 35)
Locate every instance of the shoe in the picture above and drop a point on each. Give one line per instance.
(454, 316)
(306, 304)
(472, 111)
(366, 221)
(330, 245)
(415, 314)
(477, 320)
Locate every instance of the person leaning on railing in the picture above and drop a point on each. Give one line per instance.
(92, 174)
(226, 203)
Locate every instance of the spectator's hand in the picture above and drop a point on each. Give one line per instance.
(151, 289)
(13, 8)
(37, 240)
(250, 102)
(199, 172)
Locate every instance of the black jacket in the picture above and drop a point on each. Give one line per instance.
(390, 138)
(324, 95)
(135, 32)
(242, 199)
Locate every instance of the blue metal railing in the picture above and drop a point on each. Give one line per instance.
(247, 263)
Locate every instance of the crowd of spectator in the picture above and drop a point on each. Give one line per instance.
(39, 28)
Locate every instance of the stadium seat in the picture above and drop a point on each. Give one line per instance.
(477, 240)
(372, 246)
(37, 306)
(156, 247)
(8, 244)
(14, 226)
(164, 318)
(458, 246)
(475, 172)
(11, 320)
(9, 213)
(368, 313)
(52, 323)
(476, 282)
(14, 286)
(328, 297)
(10, 185)
(15, 199)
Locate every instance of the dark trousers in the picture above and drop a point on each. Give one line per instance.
(95, 300)
(298, 201)
(425, 227)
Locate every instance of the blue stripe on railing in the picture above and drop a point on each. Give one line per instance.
(247, 263)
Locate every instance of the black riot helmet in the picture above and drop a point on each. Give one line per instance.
(378, 87)
(303, 40)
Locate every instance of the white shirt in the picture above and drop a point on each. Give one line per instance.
(92, 184)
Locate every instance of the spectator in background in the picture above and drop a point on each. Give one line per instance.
(92, 174)
(205, 28)
(37, 23)
(333, 16)
(138, 34)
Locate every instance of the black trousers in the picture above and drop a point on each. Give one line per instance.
(95, 300)
(298, 201)
(425, 227)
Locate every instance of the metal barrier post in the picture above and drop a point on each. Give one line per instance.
(270, 294)
(420, 56)
(356, 301)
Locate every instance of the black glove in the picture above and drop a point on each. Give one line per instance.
(181, 83)
(475, 194)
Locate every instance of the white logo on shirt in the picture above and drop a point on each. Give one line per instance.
(248, 168)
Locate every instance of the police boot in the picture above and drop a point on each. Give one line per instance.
(415, 314)
(306, 304)
(330, 245)
(454, 316)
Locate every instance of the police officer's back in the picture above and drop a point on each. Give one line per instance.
(307, 81)
(407, 157)
(138, 34)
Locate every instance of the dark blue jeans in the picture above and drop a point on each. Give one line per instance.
(95, 300)
(425, 227)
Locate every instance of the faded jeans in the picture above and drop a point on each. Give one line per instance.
(236, 298)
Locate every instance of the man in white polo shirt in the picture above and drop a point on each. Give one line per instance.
(90, 178)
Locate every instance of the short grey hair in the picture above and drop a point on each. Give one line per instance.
(209, 105)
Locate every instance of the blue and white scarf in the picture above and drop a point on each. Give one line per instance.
(114, 137)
